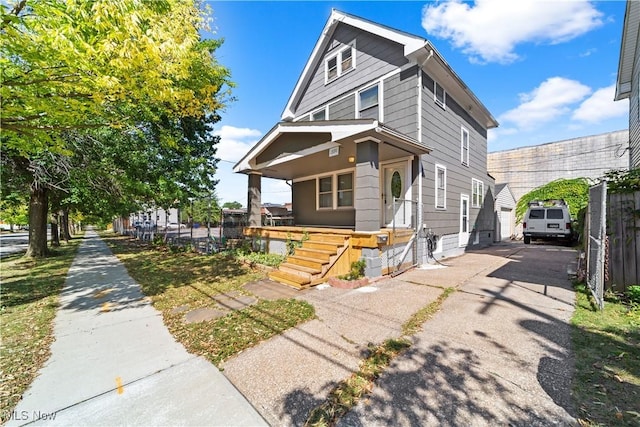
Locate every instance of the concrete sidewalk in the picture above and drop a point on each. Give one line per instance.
(498, 353)
(114, 362)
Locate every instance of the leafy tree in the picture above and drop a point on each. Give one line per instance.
(232, 205)
(575, 193)
(76, 67)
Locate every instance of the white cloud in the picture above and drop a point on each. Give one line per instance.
(552, 99)
(601, 106)
(490, 30)
(235, 142)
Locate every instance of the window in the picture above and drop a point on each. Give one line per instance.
(325, 192)
(368, 103)
(441, 187)
(555, 214)
(319, 115)
(345, 190)
(340, 63)
(478, 193)
(335, 191)
(439, 95)
(464, 146)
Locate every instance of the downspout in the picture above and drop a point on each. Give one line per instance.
(420, 220)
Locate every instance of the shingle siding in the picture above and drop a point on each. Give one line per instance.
(400, 101)
(634, 117)
(375, 57)
(441, 130)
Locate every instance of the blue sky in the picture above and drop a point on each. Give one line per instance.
(545, 69)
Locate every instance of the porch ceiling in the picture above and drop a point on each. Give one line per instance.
(297, 149)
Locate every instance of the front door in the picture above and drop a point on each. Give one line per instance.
(464, 220)
(396, 213)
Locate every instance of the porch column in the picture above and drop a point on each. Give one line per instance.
(254, 204)
(367, 185)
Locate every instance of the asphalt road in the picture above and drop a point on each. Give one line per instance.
(11, 243)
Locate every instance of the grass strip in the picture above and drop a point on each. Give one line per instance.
(606, 345)
(348, 392)
(28, 303)
(180, 282)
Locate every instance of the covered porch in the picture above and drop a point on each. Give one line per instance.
(354, 184)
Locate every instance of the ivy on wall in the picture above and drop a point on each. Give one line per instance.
(621, 181)
(575, 193)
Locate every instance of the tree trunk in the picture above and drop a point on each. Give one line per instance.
(55, 236)
(38, 208)
(64, 225)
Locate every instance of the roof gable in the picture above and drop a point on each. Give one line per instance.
(409, 42)
(414, 48)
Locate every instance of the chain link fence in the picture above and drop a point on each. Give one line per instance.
(596, 241)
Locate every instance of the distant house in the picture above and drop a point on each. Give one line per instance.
(628, 82)
(383, 143)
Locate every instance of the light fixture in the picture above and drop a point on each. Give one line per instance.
(351, 159)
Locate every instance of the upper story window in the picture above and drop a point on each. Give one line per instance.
(368, 103)
(339, 63)
(319, 115)
(439, 95)
(441, 187)
(477, 191)
(464, 146)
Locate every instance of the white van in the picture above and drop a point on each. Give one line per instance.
(547, 220)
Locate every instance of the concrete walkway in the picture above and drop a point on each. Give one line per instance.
(498, 353)
(114, 362)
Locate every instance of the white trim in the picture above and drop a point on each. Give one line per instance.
(442, 103)
(367, 138)
(464, 131)
(397, 160)
(379, 88)
(406, 161)
(462, 239)
(475, 195)
(337, 54)
(444, 204)
(326, 113)
(334, 189)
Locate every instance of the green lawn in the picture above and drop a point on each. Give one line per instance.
(28, 302)
(179, 282)
(606, 345)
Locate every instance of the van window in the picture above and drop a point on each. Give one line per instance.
(536, 214)
(554, 214)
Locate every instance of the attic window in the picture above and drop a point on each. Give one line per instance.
(439, 95)
(339, 63)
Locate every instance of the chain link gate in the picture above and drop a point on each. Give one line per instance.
(597, 234)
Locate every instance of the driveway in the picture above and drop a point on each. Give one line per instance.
(498, 353)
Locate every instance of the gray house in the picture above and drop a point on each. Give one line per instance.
(384, 146)
(628, 82)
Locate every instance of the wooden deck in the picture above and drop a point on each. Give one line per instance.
(325, 252)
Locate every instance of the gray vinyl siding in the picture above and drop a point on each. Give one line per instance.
(303, 195)
(441, 130)
(375, 57)
(634, 117)
(400, 102)
(344, 109)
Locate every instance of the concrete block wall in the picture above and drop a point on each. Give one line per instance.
(527, 168)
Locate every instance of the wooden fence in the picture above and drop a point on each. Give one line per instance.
(623, 230)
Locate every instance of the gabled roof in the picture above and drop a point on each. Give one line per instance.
(415, 48)
(335, 132)
(628, 49)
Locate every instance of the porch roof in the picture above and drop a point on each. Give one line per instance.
(303, 139)
(628, 50)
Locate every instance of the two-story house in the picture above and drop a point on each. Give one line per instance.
(384, 146)
(628, 81)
